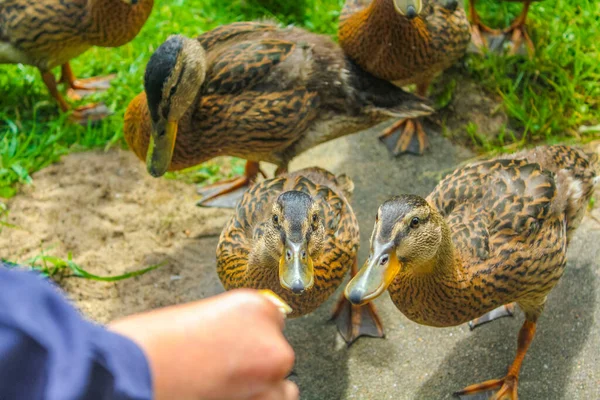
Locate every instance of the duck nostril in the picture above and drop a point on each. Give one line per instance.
(288, 254)
(355, 297)
(303, 254)
(384, 260)
(297, 287)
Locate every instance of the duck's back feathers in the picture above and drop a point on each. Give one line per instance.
(575, 174)
(228, 32)
(499, 205)
(245, 64)
(510, 220)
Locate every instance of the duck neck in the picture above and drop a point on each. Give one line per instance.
(430, 292)
(113, 23)
(445, 265)
(384, 42)
(262, 267)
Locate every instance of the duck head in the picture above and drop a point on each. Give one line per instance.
(409, 8)
(407, 236)
(295, 235)
(174, 76)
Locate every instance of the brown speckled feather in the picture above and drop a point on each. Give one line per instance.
(51, 32)
(271, 93)
(239, 242)
(510, 220)
(400, 50)
(225, 33)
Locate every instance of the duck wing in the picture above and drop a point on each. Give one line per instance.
(236, 30)
(249, 98)
(495, 204)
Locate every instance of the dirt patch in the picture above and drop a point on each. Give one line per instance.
(474, 117)
(114, 218)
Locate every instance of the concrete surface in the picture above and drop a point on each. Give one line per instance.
(418, 362)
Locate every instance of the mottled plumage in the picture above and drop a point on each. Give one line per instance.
(489, 234)
(268, 94)
(49, 33)
(250, 247)
(404, 49)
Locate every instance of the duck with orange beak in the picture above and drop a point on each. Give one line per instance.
(490, 234)
(297, 236)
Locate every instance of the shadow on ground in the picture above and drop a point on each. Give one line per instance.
(562, 332)
(321, 370)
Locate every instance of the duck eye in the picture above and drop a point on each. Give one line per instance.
(315, 218)
(172, 91)
(275, 219)
(414, 222)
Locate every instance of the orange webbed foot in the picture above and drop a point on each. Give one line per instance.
(80, 88)
(355, 321)
(89, 113)
(519, 36)
(226, 194)
(480, 33)
(506, 389)
(405, 136)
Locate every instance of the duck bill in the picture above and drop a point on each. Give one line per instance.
(409, 8)
(160, 149)
(296, 269)
(374, 277)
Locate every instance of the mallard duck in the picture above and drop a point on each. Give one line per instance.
(489, 234)
(49, 33)
(517, 30)
(404, 42)
(255, 91)
(297, 235)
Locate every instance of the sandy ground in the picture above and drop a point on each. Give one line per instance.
(113, 217)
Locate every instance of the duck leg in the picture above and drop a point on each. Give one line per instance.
(506, 310)
(407, 135)
(79, 88)
(227, 193)
(518, 32)
(356, 321)
(478, 28)
(507, 386)
(81, 115)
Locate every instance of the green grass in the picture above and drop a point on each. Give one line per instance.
(550, 96)
(57, 268)
(32, 132)
(547, 97)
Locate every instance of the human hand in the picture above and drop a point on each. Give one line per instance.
(225, 347)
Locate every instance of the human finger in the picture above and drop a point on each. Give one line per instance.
(285, 390)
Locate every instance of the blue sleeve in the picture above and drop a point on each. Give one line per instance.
(48, 351)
